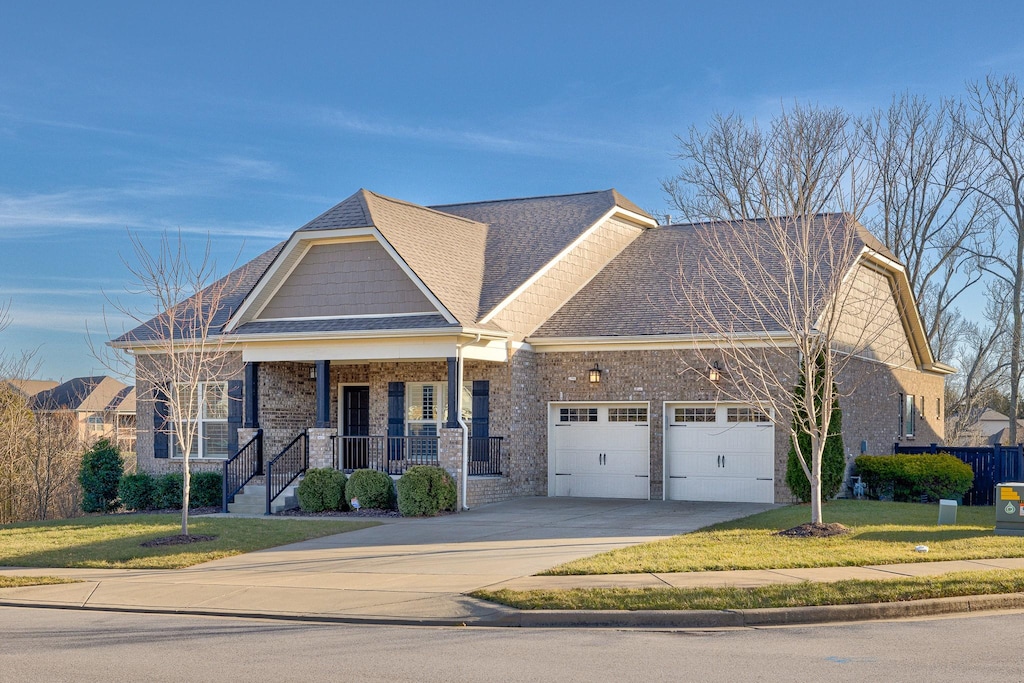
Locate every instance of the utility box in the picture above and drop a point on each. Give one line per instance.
(947, 511)
(1010, 509)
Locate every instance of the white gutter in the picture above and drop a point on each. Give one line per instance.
(462, 423)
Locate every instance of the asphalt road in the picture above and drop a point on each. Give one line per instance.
(66, 645)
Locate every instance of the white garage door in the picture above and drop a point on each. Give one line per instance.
(599, 450)
(719, 452)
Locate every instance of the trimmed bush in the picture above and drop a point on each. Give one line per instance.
(100, 475)
(169, 490)
(136, 491)
(206, 490)
(909, 477)
(833, 458)
(373, 488)
(321, 490)
(426, 490)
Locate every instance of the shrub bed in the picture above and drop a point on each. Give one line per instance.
(207, 490)
(169, 491)
(136, 491)
(426, 490)
(322, 490)
(373, 489)
(911, 477)
(100, 476)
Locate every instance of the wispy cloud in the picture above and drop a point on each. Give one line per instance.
(14, 117)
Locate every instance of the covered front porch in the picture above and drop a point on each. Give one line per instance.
(386, 414)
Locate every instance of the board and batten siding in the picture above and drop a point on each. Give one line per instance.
(354, 278)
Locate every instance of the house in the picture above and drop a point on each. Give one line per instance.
(531, 346)
(991, 428)
(27, 388)
(102, 406)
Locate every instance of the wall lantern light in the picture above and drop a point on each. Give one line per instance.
(312, 371)
(715, 372)
(595, 375)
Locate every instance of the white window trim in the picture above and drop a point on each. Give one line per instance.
(200, 453)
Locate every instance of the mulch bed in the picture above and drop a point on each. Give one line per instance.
(815, 530)
(361, 513)
(180, 539)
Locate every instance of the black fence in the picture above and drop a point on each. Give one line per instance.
(286, 466)
(241, 467)
(991, 465)
(390, 454)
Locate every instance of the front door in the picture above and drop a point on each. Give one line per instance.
(355, 422)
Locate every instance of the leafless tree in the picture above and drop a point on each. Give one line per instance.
(53, 463)
(994, 120)
(928, 212)
(766, 291)
(176, 340)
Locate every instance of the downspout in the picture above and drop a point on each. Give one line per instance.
(462, 423)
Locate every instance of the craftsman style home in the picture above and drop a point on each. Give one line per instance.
(531, 346)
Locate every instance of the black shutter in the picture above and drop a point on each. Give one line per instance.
(396, 418)
(235, 409)
(160, 436)
(481, 419)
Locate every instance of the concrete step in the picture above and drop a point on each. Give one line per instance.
(252, 500)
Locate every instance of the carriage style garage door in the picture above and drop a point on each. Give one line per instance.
(719, 452)
(599, 450)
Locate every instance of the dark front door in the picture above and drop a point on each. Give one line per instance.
(355, 413)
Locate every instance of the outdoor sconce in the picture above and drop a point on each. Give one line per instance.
(312, 371)
(595, 375)
(715, 372)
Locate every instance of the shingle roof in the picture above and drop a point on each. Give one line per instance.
(81, 393)
(525, 234)
(342, 324)
(640, 292)
(123, 401)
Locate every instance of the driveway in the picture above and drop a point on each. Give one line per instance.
(407, 570)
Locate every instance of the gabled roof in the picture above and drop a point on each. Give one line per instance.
(30, 387)
(79, 394)
(123, 401)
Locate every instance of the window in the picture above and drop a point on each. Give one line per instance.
(746, 415)
(638, 414)
(705, 414)
(938, 408)
(209, 408)
(577, 414)
(426, 407)
(908, 416)
(95, 423)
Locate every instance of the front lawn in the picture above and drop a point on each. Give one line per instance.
(882, 533)
(114, 541)
(19, 581)
(779, 595)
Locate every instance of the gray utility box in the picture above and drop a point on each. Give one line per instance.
(1010, 509)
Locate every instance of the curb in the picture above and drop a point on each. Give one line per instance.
(681, 619)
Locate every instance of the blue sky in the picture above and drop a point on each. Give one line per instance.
(244, 120)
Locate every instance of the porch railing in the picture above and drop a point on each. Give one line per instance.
(241, 467)
(484, 456)
(286, 466)
(390, 454)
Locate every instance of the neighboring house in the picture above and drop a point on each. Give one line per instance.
(992, 428)
(30, 387)
(547, 330)
(103, 408)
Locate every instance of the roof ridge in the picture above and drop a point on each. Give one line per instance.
(418, 206)
(725, 221)
(520, 199)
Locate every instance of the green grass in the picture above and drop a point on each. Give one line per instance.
(113, 541)
(882, 533)
(19, 581)
(779, 595)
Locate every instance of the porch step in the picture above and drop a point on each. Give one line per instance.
(253, 500)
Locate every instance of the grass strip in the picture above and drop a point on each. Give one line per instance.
(19, 581)
(882, 533)
(807, 593)
(114, 541)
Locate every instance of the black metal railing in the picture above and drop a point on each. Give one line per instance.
(390, 454)
(286, 466)
(241, 467)
(484, 456)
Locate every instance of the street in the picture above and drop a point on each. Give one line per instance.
(70, 645)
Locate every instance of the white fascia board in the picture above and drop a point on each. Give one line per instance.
(572, 344)
(361, 350)
(614, 211)
(494, 350)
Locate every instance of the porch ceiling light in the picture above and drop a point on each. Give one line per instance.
(715, 372)
(595, 375)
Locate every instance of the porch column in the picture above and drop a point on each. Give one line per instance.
(323, 394)
(251, 416)
(453, 394)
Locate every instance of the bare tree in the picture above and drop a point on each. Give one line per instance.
(53, 463)
(995, 122)
(176, 341)
(928, 212)
(766, 291)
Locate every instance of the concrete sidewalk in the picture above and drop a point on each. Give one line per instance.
(418, 571)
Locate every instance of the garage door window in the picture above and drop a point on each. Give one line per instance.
(695, 414)
(746, 415)
(627, 414)
(577, 414)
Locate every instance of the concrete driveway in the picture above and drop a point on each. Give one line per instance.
(408, 570)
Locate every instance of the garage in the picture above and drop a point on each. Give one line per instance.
(719, 452)
(599, 450)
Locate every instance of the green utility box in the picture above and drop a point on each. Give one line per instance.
(1010, 509)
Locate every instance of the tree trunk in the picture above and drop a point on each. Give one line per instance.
(186, 482)
(817, 449)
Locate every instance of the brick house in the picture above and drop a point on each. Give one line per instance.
(530, 346)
